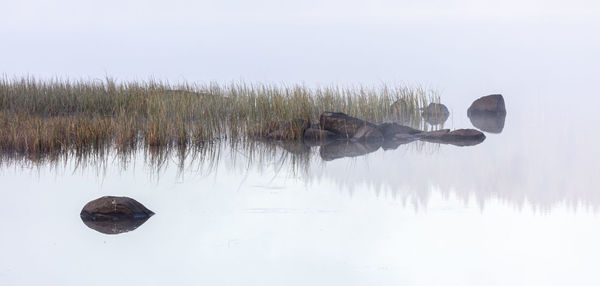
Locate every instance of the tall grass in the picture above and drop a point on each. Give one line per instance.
(61, 115)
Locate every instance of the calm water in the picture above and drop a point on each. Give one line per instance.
(521, 208)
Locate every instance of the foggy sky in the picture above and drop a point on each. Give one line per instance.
(434, 43)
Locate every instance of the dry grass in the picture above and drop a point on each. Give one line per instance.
(61, 116)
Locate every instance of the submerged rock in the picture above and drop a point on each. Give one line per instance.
(285, 130)
(390, 130)
(488, 113)
(344, 126)
(435, 113)
(113, 215)
(314, 135)
(368, 133)
(341, 149)
(459, 137)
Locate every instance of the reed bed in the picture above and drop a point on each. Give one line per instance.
(60, 115)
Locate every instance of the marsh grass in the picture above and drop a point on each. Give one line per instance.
(61, 116)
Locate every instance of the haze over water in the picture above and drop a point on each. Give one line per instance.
(518, 209)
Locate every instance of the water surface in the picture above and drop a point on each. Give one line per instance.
(518, 209)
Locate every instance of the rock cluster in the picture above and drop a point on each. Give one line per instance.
(340, 135)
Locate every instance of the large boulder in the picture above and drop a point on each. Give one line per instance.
(488, 113)
(341, 149)
(435, 113)
(342, 125)
(459, 137)
(113, 215)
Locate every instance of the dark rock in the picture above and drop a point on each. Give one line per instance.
(435, 113)
(459, 137)
(340, 149)
(488, 104)
(285, 130)
(341, 124)
(113, 215)
(368, 133)
(389, 130)
(433, 134)
(488, 113)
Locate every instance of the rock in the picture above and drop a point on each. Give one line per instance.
(368, 133)
(285, 130)
(459, 137)
(340, 149)
(389, 130)
(488, 104)
(435, 113)
(488, 113)
(341, 124)
(433, 134)
(113, 215)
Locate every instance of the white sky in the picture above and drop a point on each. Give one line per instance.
(436, 43)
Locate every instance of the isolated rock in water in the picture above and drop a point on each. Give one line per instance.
(389, 130)
(435, 113)
(368, 133)
(113, 215)
(341, 124)
(459, 137)
(340, 149)
(488, 113)
(285, 130)
(488, 104)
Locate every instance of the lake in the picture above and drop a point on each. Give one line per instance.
(520, 208)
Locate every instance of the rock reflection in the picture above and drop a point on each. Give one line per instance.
(516, 173)
(341, 149)
(491, 123)
(114, 215)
